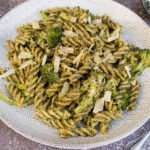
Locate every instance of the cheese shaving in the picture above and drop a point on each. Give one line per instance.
(44, 60)
(35, 25)
(25, 64)
(97, 21)
(89, 20)
(7, 73)
(78, 58)
(56, 64)
(97, 58)
(65, 50)
(99, 105)
(65, 89)
(128, 71)
(133, 82)
(24, 55)
(69, 33)
(115, 35)
(107, 96)
(73, 19)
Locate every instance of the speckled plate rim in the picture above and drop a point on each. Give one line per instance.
(17, 130)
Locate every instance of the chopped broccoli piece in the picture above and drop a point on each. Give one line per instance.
(94, 81)
(43, 36)
(43, 14)
(65, 16)
(21, 86)
(111, 85)
(6, 99)
(54, 36)
(123, 102)
(48, 75)
(144, 61)
(49, 52)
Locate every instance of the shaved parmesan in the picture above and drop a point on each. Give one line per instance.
(24, 55)
(65, 50)
(107, 96)
(69, 68)
(69, 33)
(97, 58)
(108, 56)
(128, 71)
(133, 82)
(115, 35)
(65, 88)
(78, 58)
(44, 59)
(89, 20)
(73, 19)
(97, 21)
(99, 105)
(56, 64)
(85, 20)
(25, 64)
(35, 25)
(7, 73)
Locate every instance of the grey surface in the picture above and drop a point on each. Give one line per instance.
(10, 140)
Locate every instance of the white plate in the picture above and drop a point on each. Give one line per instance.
(22, 120)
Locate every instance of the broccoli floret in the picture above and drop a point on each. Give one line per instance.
(94, 82)
(123, 102)
(43, 14)
(54, 36)
(111, 85)
(144, 61)
(65, 16)
(48, 75)
(6, 99)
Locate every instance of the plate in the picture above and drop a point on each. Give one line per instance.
(23, 120)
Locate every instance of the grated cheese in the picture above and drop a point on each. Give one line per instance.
(89, 20)
(25, 64)
(73, 19)
(97, 58)
(99, 105)
(97, 21)
(115, 35)
(65, 50)
(128, 71)
(24, 55)
(8, 73)
(44, 60)
(56, 64)
(69, 33)
(78, 58)
(107, 96)
(35, 25)
(65, 88)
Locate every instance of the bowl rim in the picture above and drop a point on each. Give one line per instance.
(94, 145)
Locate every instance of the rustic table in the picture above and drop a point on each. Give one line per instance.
(10, 140)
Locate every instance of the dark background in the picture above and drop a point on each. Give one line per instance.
(10, 140)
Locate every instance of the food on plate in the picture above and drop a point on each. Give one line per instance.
(75, 69)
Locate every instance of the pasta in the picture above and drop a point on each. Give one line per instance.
(75, 69)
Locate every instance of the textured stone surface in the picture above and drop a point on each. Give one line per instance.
(10, 140)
